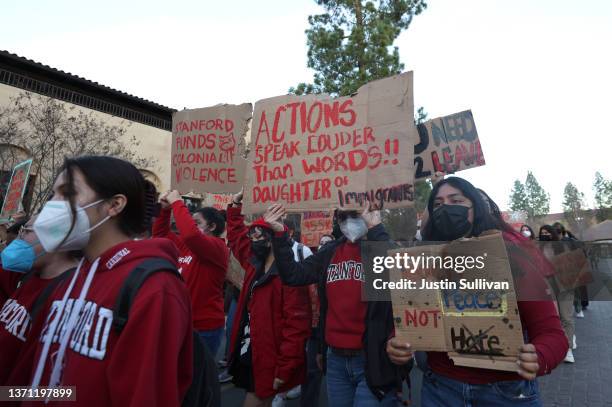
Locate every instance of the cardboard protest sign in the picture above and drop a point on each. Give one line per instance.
(315, 152)
(447, 144)
(16, 189)
(208, 147)
(573, 269)
(471, 314)
(235, 272)
(314, 225)
(217, 201)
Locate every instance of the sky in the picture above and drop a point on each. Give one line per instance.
(535, 73)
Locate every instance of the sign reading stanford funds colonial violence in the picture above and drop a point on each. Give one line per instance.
(316, 152)
(447, 144)
(463, 302)
(208, 147)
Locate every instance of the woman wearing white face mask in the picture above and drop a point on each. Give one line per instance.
(353, 331)
(99, 204)
(20, 320)
(527, 232)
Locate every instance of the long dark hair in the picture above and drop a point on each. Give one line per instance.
(532, 237)
(553, 232)
(110, 176)
(215, 216)
(484, 219)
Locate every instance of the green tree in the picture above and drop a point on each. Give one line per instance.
(603, 197)
(50, 131)
(351, 43)
(573, 202)
(538, 200)
(401, 222)
(518, 197)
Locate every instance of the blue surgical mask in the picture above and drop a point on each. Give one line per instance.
(19, 256)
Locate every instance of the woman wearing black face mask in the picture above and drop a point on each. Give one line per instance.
(457, 209)
(267, 347)
(548, 234)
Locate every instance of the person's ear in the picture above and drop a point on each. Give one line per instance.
(117, 204)
(212, 226)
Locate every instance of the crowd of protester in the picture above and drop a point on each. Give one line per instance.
(121, 292)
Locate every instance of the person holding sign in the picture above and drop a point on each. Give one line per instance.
(203, 261)
(272, 322)
(353, 330)
(456, 210)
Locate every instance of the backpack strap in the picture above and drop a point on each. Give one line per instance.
(132, 284)
(46, 293)
(300, 252)
(24, 279)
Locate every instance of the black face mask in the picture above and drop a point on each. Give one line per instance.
(260, 249)
(545, 238)
(451, 222)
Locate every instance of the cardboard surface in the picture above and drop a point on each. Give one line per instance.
(315, 152)
(314, 225)
(447, 144)
(16, 189)
(482, 322)
(217, 201)
(208, 148)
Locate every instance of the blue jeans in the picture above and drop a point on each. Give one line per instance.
(212, 339)
(346, 383)
(229, 322)
(441, 391)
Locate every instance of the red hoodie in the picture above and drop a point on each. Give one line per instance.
(280, 319)
(539, 319)
(8, 283)
(149, 363)
(15, 324)
(203, 261)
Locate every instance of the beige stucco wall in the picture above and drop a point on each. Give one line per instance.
(154, 143)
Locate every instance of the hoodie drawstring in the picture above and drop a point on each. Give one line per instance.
(72, 321)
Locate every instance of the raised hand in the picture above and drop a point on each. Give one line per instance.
(371, 215)
(273, 215)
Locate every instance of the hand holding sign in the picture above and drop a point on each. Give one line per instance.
(173, 196)
(528, 362)
(371, 215)
(237, 198)
(399, 351)
(163, 200)
(273, 216)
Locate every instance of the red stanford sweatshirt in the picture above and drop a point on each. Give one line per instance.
(150, 362)
(203, 262)
(346, 311)
(15, 330)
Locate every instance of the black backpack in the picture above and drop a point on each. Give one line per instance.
(205, 390)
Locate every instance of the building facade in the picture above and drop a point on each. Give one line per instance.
(147, 122)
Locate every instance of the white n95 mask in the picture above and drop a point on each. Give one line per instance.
(53, 224)
(354, 228)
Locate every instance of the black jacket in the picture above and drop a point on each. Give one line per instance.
(382, 375)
